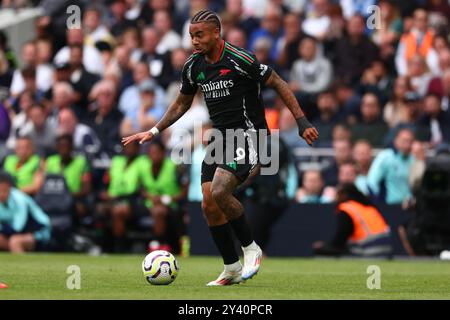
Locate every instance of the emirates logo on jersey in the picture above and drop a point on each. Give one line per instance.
(217, 89)
(224, 72)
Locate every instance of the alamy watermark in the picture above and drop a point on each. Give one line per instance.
(73, 281)
(265, 147)
(374, 280)
(74, 19)
(232, 147)
(374, 17)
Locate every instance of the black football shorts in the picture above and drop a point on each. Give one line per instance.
(237, 154)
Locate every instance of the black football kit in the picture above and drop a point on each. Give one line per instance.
(232, 90)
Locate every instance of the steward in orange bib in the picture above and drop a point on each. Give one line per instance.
(361, 229)
(419, 40)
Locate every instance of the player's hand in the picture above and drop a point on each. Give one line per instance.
(310, 135)
(141, 137)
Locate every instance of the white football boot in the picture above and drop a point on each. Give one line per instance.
(228, 277)
(252, 261)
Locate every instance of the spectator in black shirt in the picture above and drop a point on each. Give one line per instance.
(159, 64)
(105, 118)
(329, 116)
(371, 126)
(293, 34)
(435, 122)
(81, 80)
(119, 22)
(354, 52)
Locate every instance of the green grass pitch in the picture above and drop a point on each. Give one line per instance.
(43, 276)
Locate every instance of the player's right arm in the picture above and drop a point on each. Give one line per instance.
(179, 107)
(249, 66)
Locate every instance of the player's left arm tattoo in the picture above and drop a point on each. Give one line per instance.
(285, 93)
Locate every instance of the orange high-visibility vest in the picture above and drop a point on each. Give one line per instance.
(410, 42)
(272, 118)
(368, 223)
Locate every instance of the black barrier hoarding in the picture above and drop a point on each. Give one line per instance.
(300, 226)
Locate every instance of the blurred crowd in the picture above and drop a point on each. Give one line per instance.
(375, 81)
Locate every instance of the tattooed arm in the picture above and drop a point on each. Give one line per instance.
(306, 130)
(174, 112)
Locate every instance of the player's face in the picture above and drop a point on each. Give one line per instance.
(203, 36)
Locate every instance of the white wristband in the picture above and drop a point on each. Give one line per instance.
(154, 131)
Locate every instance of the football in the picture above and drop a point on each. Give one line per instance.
(160, 267)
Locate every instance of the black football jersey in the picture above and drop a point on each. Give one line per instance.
(231, 87)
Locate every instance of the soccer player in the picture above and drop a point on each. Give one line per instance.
(230, 79)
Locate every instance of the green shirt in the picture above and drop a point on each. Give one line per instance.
(166, 183)
(125, 179)
(73, 172)
(24, 174)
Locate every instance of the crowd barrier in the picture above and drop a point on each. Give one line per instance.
(295, 232)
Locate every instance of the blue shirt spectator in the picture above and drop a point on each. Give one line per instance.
(195, 189)
(313, 189)
(148, 113)
(393, 167)
(362, 184)
(130, 99)
(20, 215)
(271, 27)
(352, 7)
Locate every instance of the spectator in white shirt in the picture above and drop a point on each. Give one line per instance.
(419, 74)
(44, 73)
(317, 22)
(21, 123)
(94, 29)
(312, 73)
(84, 138)
(92, 59)
(169, 38)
